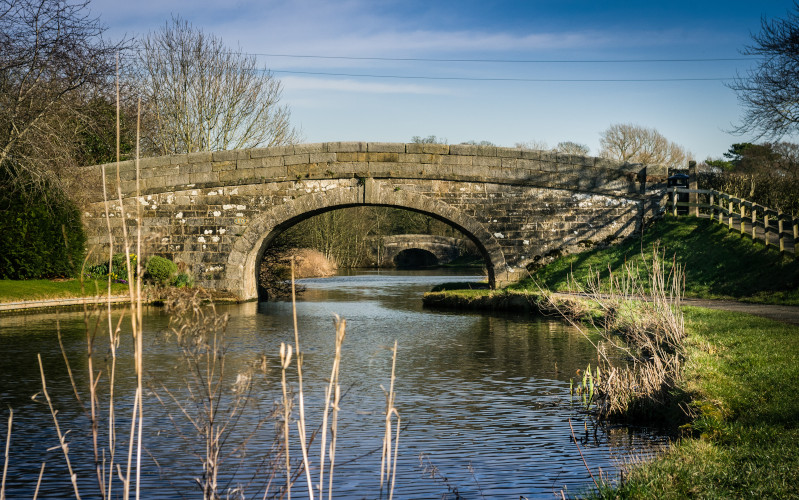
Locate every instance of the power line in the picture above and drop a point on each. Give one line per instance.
(498, 79)
(512, 61)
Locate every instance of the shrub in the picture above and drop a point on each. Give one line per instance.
(41, 236)
(183, 280)
(161, 270)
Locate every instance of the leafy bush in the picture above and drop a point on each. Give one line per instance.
(183, 280)
(41, 236)
(161, 270)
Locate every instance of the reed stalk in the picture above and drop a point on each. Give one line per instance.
(8, 447)
(301, 396)
(285, 362)
(61, 436)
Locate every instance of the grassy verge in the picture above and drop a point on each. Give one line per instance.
(717, 263)
(739, 371)
(18, 290)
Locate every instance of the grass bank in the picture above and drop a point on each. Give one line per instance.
(745, 432)
(718, 263)
(19, 290)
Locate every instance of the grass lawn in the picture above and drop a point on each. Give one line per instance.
(717, 263)
(17, 290)
(746, 434)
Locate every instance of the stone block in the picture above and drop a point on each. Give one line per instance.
(322, 157)
(157, 161)
(221, 166)
(346, 147)
(296, 159)
(385, 147)
(437, 149)
(318, 147)
(509, 153)
(226, 155)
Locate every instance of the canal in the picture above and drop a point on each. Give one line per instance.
(483, 399)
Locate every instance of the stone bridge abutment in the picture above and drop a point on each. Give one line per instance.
(216, 212)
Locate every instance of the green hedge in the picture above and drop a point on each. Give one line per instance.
(40, 236)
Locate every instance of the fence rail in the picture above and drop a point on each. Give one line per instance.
(757, 221)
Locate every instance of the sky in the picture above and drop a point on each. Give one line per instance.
(500, 71)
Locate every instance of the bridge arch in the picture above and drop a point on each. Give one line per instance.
(248, 249)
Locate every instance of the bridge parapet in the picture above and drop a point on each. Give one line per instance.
(334, 160)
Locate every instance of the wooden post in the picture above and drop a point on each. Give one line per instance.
(765, 227)
(743, 214)
(729, 217)
(674, 201)
(693, 198)
(796, 237)
(721, 211)
(780, 234)
(712, 208)
(754, 222)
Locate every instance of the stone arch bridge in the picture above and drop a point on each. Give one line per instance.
(216, 212)
(443, 248)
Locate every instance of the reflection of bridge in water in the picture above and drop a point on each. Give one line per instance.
(216, 212)
(421, 250)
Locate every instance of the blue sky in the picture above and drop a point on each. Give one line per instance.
(352, 97)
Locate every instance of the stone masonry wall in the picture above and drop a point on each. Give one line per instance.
(216, 212)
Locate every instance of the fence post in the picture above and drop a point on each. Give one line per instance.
(693, 198)
(743, 214)
(795, 237)
(765, 227)
(721, 210)
(729, 217)
(712, 208)
(674, 201)
(780, 233)
(754, 222)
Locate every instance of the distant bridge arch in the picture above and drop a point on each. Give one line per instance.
(216, 212)
(443, 248)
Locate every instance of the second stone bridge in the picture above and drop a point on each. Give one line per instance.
(217, 212)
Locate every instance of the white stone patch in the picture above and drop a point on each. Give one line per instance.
(211, 269)
(212, 193)
(462, 189)
(227, 207)
(179, 215)
(215, 239)
(170, 199)
(222, 231)
(194, 192)
(499, 235)
(239, 214)
(217, 213)
(526, 242)
(241, 207)
(143, 201)
(149, 197)
(234, 191)
(208, 231)
(201, 239)
(164, 240)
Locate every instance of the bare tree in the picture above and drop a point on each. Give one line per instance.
(203, 96)
(53, 61)
(572, 148)
(630, 143)
(769, 92)
(533, 145)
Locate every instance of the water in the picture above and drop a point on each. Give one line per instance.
(483, 399)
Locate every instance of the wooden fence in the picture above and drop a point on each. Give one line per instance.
(761, 223)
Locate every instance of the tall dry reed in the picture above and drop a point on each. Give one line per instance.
(642, 347)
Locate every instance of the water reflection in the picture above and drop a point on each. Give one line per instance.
(484, 398)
